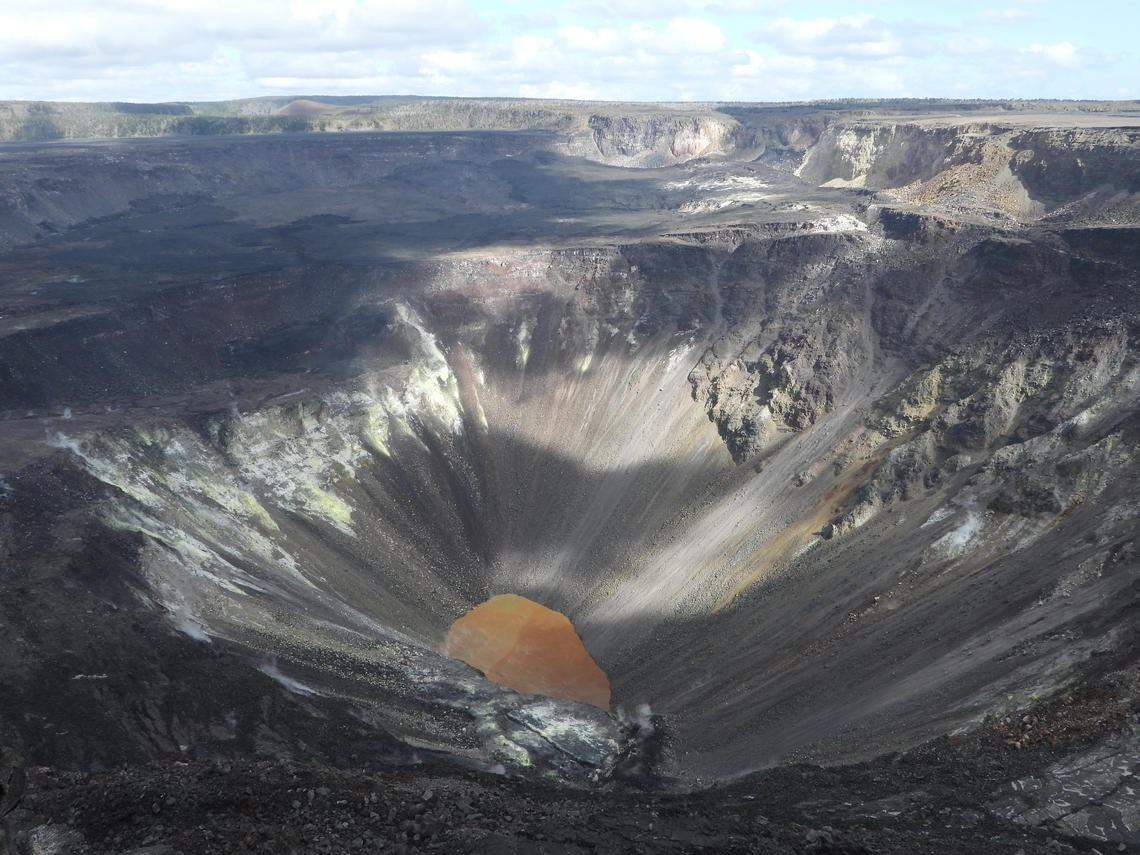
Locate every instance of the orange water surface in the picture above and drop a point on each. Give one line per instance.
(529, 648)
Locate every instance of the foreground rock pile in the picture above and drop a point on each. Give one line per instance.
(925, 802)
(976, 792)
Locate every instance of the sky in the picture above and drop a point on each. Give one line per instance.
(618, 50)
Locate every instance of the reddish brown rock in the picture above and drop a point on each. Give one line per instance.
(529, 648)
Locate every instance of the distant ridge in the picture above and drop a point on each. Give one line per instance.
(30, 121)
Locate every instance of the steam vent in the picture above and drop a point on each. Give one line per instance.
(528, 647)
(804, 436)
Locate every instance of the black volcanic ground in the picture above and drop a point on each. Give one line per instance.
(820, 424)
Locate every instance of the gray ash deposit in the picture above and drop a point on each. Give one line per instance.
(820, 425)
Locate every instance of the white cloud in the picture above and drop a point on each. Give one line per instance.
(1005, 16)
(150, 50)
(854, 36)
(601, 40)
(569, 91)
(205, 49)
(121, 32)
(618, 10)
(693, 34)
(329, 64)
(626, 9)
(790, 78)
(678, 36)
(973, 46)
(450, 62)
(1063, 54)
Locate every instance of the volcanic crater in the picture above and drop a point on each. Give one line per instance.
(820, 425)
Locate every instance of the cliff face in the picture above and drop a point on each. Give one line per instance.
(657, 140)
(817, 472)
(991, 169)
(875, 155)
(1081, 171)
